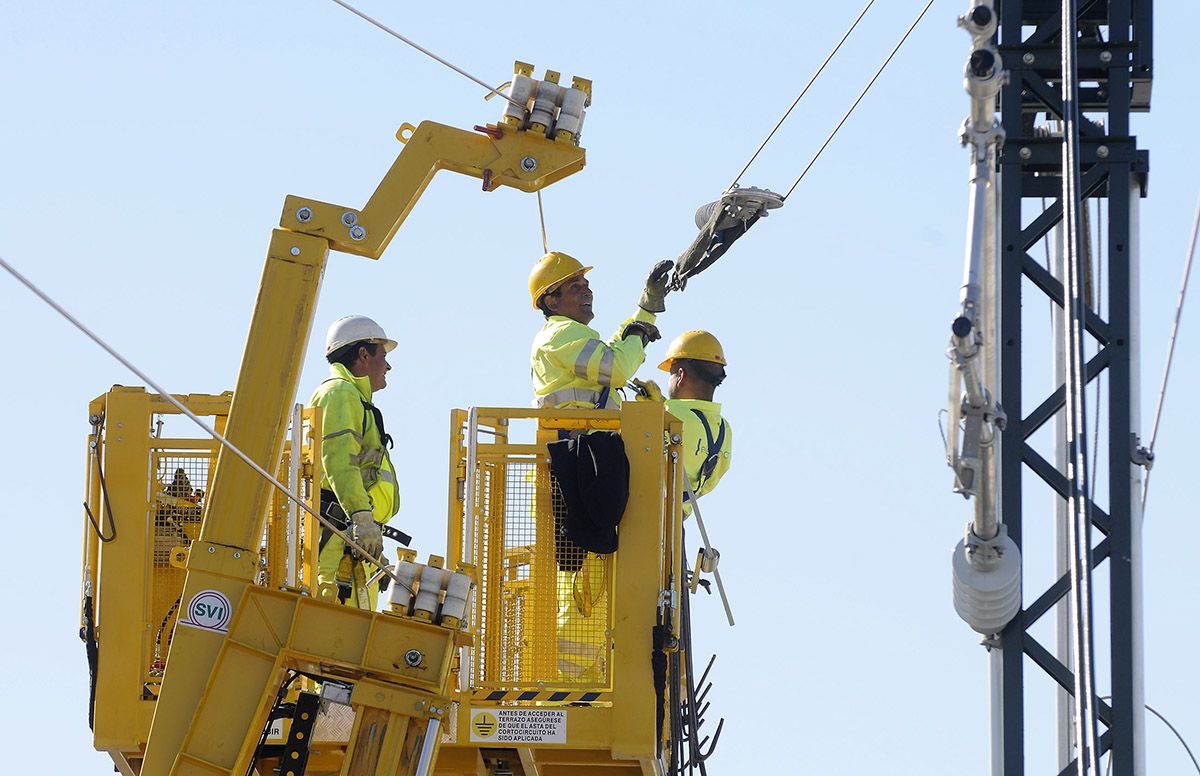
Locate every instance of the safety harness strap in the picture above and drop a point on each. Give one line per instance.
(601, 400)
(714, 448)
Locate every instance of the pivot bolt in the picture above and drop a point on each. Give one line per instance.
(357, 232)
(349, 218)
(528, 164)
(295, 251)
(413, 658)
(1028, 57)
(1106, 57)
(1102, 152)
(304, 215)
(1025, 153)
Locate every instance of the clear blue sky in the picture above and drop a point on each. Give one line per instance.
(145, 152)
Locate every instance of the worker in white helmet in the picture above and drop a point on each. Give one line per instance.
(358, 481)
(696, 363)
(572, 366)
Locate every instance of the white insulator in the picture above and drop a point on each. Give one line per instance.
(545, 104)
(400, 594)
(570, 115)
(457, 590)
(988, 595)
(428, 594)
(522, 89)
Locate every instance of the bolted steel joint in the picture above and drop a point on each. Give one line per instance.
(304, 215)
(349, 218)
(1102, 152)
(357, 232)
(413, 658)
(528, 164)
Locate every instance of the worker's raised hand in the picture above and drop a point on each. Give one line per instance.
(647, 331)
(657, 287)
(365, 531)
(646, 390)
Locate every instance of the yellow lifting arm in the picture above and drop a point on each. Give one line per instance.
(498, 154)
(225, 557)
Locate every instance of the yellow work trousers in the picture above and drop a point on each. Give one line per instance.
(583, 623)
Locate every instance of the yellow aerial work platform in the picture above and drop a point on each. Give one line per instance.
(549, 671)
(519, 653)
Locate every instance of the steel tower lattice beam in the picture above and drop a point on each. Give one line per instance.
(1114, 56)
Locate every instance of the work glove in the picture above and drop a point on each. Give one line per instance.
(647, 331)
(657, 285)
(646, 390)
(365, 531)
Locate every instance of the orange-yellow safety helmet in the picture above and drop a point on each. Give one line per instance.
(551, 271)
(698, 345)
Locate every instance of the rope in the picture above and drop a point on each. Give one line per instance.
(542, 217)
(803, 92)
(871, 83)
(1162, 391)
(196, 419)
(427, 52)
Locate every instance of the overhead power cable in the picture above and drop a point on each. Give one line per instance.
(1162, 391)
(491, 89)
(870, 83)
(196, 419)
(803, 92)
(1075, 383)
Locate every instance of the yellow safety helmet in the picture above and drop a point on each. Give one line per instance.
(550, 272)
(697, 345)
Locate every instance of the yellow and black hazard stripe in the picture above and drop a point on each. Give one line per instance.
(534, 695)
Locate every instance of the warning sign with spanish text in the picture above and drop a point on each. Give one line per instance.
(519, 726)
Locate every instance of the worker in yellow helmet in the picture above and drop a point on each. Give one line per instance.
(696, 363)
(358, 482)
(572, 366)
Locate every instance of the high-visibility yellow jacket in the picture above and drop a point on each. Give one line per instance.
(696, 449)
(572, 366)
(354, 463)
(356, 466)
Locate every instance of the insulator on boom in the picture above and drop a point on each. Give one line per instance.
(545, 105)
(522, 89)
(570, 115)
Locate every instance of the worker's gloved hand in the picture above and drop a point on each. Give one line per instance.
(657, 285)
(647, 331)
(365, 531)
(646, 390)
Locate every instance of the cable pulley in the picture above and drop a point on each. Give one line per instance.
(720, 224)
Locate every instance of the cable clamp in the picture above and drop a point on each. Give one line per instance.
(1140, 454)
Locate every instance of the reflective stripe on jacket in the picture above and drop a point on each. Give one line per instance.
(354, 463)
(572, 366)
(695, 442)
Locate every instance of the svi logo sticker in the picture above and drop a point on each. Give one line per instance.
(208, 610)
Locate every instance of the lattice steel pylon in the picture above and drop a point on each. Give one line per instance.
(1114, 55)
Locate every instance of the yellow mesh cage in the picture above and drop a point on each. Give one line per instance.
(541, 613)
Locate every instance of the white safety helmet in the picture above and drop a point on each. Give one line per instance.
(356, 328)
